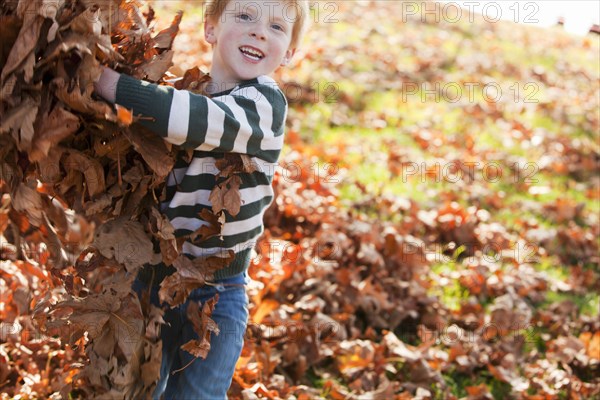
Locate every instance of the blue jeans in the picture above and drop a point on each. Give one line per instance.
(210, 378)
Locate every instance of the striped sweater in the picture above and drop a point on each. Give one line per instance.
(247, 119)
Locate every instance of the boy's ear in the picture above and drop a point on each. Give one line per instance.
(209, 32)
(288, 57)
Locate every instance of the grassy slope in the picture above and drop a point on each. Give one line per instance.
(549, 91)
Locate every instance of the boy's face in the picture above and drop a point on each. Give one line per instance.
(250, 39)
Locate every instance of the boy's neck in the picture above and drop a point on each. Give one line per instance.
(218, 85)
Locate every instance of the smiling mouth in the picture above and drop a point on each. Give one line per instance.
(252, 53)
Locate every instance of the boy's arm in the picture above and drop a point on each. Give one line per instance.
(249, 120)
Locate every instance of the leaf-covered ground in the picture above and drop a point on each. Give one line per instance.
(435, 233)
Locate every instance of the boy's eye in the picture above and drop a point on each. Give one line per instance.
(277, 27)
(244, 17)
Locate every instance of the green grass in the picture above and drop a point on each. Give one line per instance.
(587, 303)
(452, 295)
(458, 381)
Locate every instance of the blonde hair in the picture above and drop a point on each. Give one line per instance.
(215, 8)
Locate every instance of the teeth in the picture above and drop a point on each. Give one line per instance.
(252, 53)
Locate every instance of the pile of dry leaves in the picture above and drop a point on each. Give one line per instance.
(80, 189)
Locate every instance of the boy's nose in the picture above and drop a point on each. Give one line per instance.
(258, 33)
(259, 36)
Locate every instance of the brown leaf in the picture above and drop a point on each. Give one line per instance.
(518, 383)
(479, 392)
(591, 343)
(232, 197)
(113, 13)
(203, 326)
(54, 127)
(91, 169)
(190, 275)
(99, 204)
(227, 196)
(165, 232)
(82, 101)
(150, 370)
(20, 54)
(216, 198)
(209, 265)
(154, 69)
(19, 121)
(126, 242)
(71, 42)
(248, 164)
(175, 288)
(193, 80)
(229, 164)
(89, 70)
(88, 314)
(10, 26)
(108, 145)
(88, 22)
(164, 39)
(153, 150)
(397, 347)
(29, 201)
(45, 8)
(211, 229)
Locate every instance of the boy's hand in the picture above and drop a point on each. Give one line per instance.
(106, 86)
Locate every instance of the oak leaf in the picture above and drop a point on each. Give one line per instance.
(227, 196)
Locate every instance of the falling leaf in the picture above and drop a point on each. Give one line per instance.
(164, 39)
(154, 69)
(174, 289)
(193, 80)
(203, 325)
(226, 196)
(124, 116)
(212, 227)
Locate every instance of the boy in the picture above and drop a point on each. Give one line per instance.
(245, 114)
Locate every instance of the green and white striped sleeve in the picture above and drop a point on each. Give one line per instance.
(249, 119)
